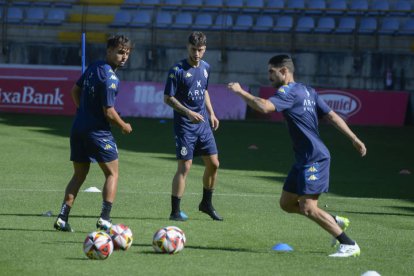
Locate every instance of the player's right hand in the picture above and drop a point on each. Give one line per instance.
(235, 87)
(127, 129)
(195, 117)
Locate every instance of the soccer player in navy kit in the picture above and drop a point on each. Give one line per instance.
(186, 92)
(309, 176)
(91, 138)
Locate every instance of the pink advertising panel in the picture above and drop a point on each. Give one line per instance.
(46, 90)
(358, 107)
(36, 96)
(146, 99)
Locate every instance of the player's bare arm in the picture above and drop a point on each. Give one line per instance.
(257, 103)
(75, 92)
(213, 119)
(177, 106)
(113, 117)
(340, 124)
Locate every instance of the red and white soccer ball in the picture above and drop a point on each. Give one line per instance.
(98, 245)
(170, 239)
(121, 236)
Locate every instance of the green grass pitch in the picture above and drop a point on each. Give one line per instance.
(35, 168)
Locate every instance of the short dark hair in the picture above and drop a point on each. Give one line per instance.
(115, 41)
(282, 61)
(197, 39)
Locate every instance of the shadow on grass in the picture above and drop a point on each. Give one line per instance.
(26, 230)
(96, 217)
(194, 247)
(375, 176)
(379, 213)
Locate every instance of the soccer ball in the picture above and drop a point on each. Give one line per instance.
(170, 239)
(98, 245)
(121, 236)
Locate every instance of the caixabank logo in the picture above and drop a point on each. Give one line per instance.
(33, 96)
(343, 103)
(29, 97)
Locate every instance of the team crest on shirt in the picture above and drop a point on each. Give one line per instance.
(183, 151)
(188, 75)
(205, 73)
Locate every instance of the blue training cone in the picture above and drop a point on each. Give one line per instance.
(282, 247)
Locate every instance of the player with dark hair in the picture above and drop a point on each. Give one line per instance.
(91, 138)
(309, 176)
(186, 92)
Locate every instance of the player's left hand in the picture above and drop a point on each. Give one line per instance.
(360, 147)
(214, 122)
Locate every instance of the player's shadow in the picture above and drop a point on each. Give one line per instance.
(26, 230)
(380, 213)
(195, 247)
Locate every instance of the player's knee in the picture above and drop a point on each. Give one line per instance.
(285, 206)
(307, 211)
(215, 165)
(184, 167)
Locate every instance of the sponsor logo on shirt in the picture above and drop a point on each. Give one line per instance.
(308, 105)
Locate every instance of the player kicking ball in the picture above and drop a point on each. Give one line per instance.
(309, 176)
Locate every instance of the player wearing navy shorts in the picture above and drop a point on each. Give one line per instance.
(309, 176)
(91, 138)
(186, 91)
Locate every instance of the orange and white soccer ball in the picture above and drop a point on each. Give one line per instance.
(169, 239)
(121, 236)
(98, 245)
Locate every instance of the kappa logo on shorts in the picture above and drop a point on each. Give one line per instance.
(313, 177)
(183, 151)
(108, 147)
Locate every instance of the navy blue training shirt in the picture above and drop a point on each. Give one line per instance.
(301, 106)
(99, 85)
(188, 85)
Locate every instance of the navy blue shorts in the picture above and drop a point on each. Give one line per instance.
(311, 179)
(188, 145)
(93, 147)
